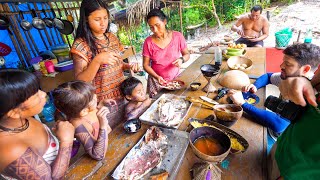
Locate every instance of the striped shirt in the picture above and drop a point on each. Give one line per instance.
(109, 77)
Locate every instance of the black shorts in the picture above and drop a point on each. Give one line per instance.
(248, 42)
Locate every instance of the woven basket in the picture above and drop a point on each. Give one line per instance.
(282, 40)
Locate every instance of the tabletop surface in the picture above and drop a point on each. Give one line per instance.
(248, 165)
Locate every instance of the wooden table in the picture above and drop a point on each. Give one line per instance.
(248, 165)
(48, 84)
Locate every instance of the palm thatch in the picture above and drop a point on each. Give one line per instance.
(137, 11)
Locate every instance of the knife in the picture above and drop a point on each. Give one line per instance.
(208, 100)
(204, 103)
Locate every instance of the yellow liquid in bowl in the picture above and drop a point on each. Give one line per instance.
(208, 146)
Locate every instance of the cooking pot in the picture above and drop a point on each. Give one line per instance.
(37, 22)
(57, 21)
(48, 21)
(67, 26)
(25, 25)
(5, 23)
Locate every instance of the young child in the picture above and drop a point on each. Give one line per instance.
(77, 103)
(132, 90)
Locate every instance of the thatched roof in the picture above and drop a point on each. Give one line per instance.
(135, 13)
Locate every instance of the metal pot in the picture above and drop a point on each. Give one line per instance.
(25, 25)
(68, 26)
(57, 21)
(5, 23)
(48, 21)
(37, 22)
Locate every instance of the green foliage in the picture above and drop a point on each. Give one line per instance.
(135, 36)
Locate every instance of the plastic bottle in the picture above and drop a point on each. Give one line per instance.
(217, 56)
(308, 37)
(48, 110)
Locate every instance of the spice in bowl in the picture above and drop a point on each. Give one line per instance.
(195, 86)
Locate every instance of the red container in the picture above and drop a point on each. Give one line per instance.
(49, 66)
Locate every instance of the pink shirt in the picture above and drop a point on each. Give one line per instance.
(161, 59)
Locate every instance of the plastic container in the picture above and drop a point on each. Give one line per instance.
(49, 66)
(217, 56)
(65, 66)
(308, 37)
(48, 111)
(62, 52)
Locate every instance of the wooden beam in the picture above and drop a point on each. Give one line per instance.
(180, 14)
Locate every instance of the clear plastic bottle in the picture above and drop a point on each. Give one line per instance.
(48, 110)
(217, 56)
(308, 37)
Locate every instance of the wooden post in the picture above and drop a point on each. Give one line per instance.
(21, 43)
(14, 41)
(180, 13)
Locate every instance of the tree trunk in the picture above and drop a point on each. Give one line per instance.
(214, 12)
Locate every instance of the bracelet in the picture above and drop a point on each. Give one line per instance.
(182, 59)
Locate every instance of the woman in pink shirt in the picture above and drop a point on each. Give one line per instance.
(163, 52)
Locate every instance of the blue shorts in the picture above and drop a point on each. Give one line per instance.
(248, 42)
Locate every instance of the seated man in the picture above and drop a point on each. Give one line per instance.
(298, 60)
(296, 154)
(253, 28)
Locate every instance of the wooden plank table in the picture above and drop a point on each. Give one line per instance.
(248, 165)
(48, 84)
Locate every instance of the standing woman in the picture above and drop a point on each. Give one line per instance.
(28, 148)
(96, 55)
(96, 52)
(163, 52)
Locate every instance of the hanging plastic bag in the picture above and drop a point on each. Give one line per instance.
(283, 37)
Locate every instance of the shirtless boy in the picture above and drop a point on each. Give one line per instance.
(253, 28)
(132, 89)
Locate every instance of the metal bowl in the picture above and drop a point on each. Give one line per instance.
(132, 125)
(209, 70)
(214, 133)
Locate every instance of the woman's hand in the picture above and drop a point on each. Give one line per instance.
(103, 120)
(135, 67)
(252, 88)
(64, 131)
(178, 62)
(110, 58)
(236, 97)
(161, 80)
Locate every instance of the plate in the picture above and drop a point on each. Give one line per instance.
(178, 142)
(250, 98)
(151, 115)
(174, 85)
(226, 42)
(249, 37)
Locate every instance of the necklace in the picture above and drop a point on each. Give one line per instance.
(100, 37)
(16, 130)
(164, 37)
